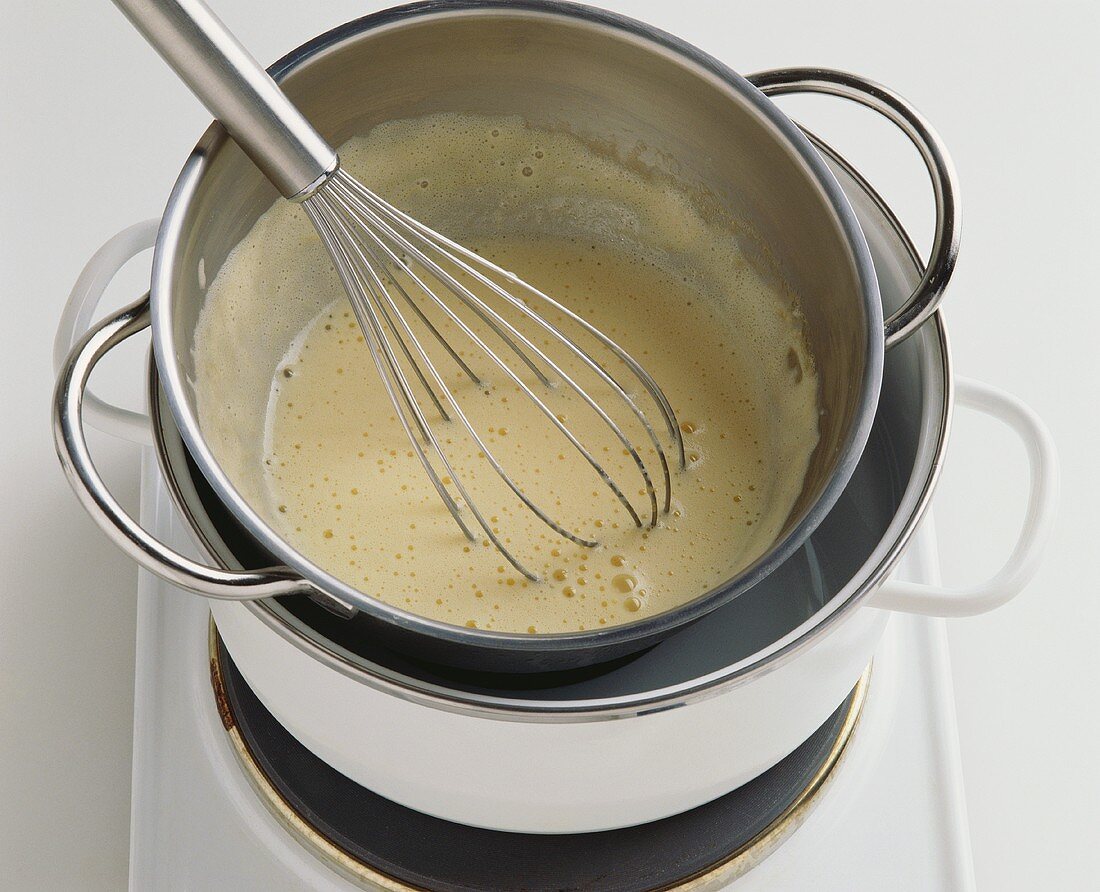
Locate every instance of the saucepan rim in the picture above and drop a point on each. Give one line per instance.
(170, 238)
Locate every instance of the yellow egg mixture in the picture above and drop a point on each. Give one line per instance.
(629, 253)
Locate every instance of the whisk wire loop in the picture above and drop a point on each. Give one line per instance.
(546, 411)
(497, 322)
(367, 313)
(364, 315)
(371, 243)
(632, 364)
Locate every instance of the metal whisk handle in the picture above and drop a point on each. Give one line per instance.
(237, 91)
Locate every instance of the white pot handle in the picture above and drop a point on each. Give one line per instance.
(76, 319)
(1010, 580)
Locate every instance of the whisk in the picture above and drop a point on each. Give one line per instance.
(397, 271)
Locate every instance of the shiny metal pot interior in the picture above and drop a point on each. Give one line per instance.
(608, 80)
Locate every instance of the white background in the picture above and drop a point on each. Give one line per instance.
(94, 129)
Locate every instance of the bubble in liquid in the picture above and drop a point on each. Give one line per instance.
(625, 582)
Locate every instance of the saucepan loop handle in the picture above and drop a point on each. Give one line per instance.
(123, 530)
(924, 300)
(1042, 502)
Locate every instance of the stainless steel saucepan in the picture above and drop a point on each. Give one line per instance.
(608, 79)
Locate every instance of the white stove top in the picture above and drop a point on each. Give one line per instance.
(893, 817)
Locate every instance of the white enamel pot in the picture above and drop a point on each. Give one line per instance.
(700, 714)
